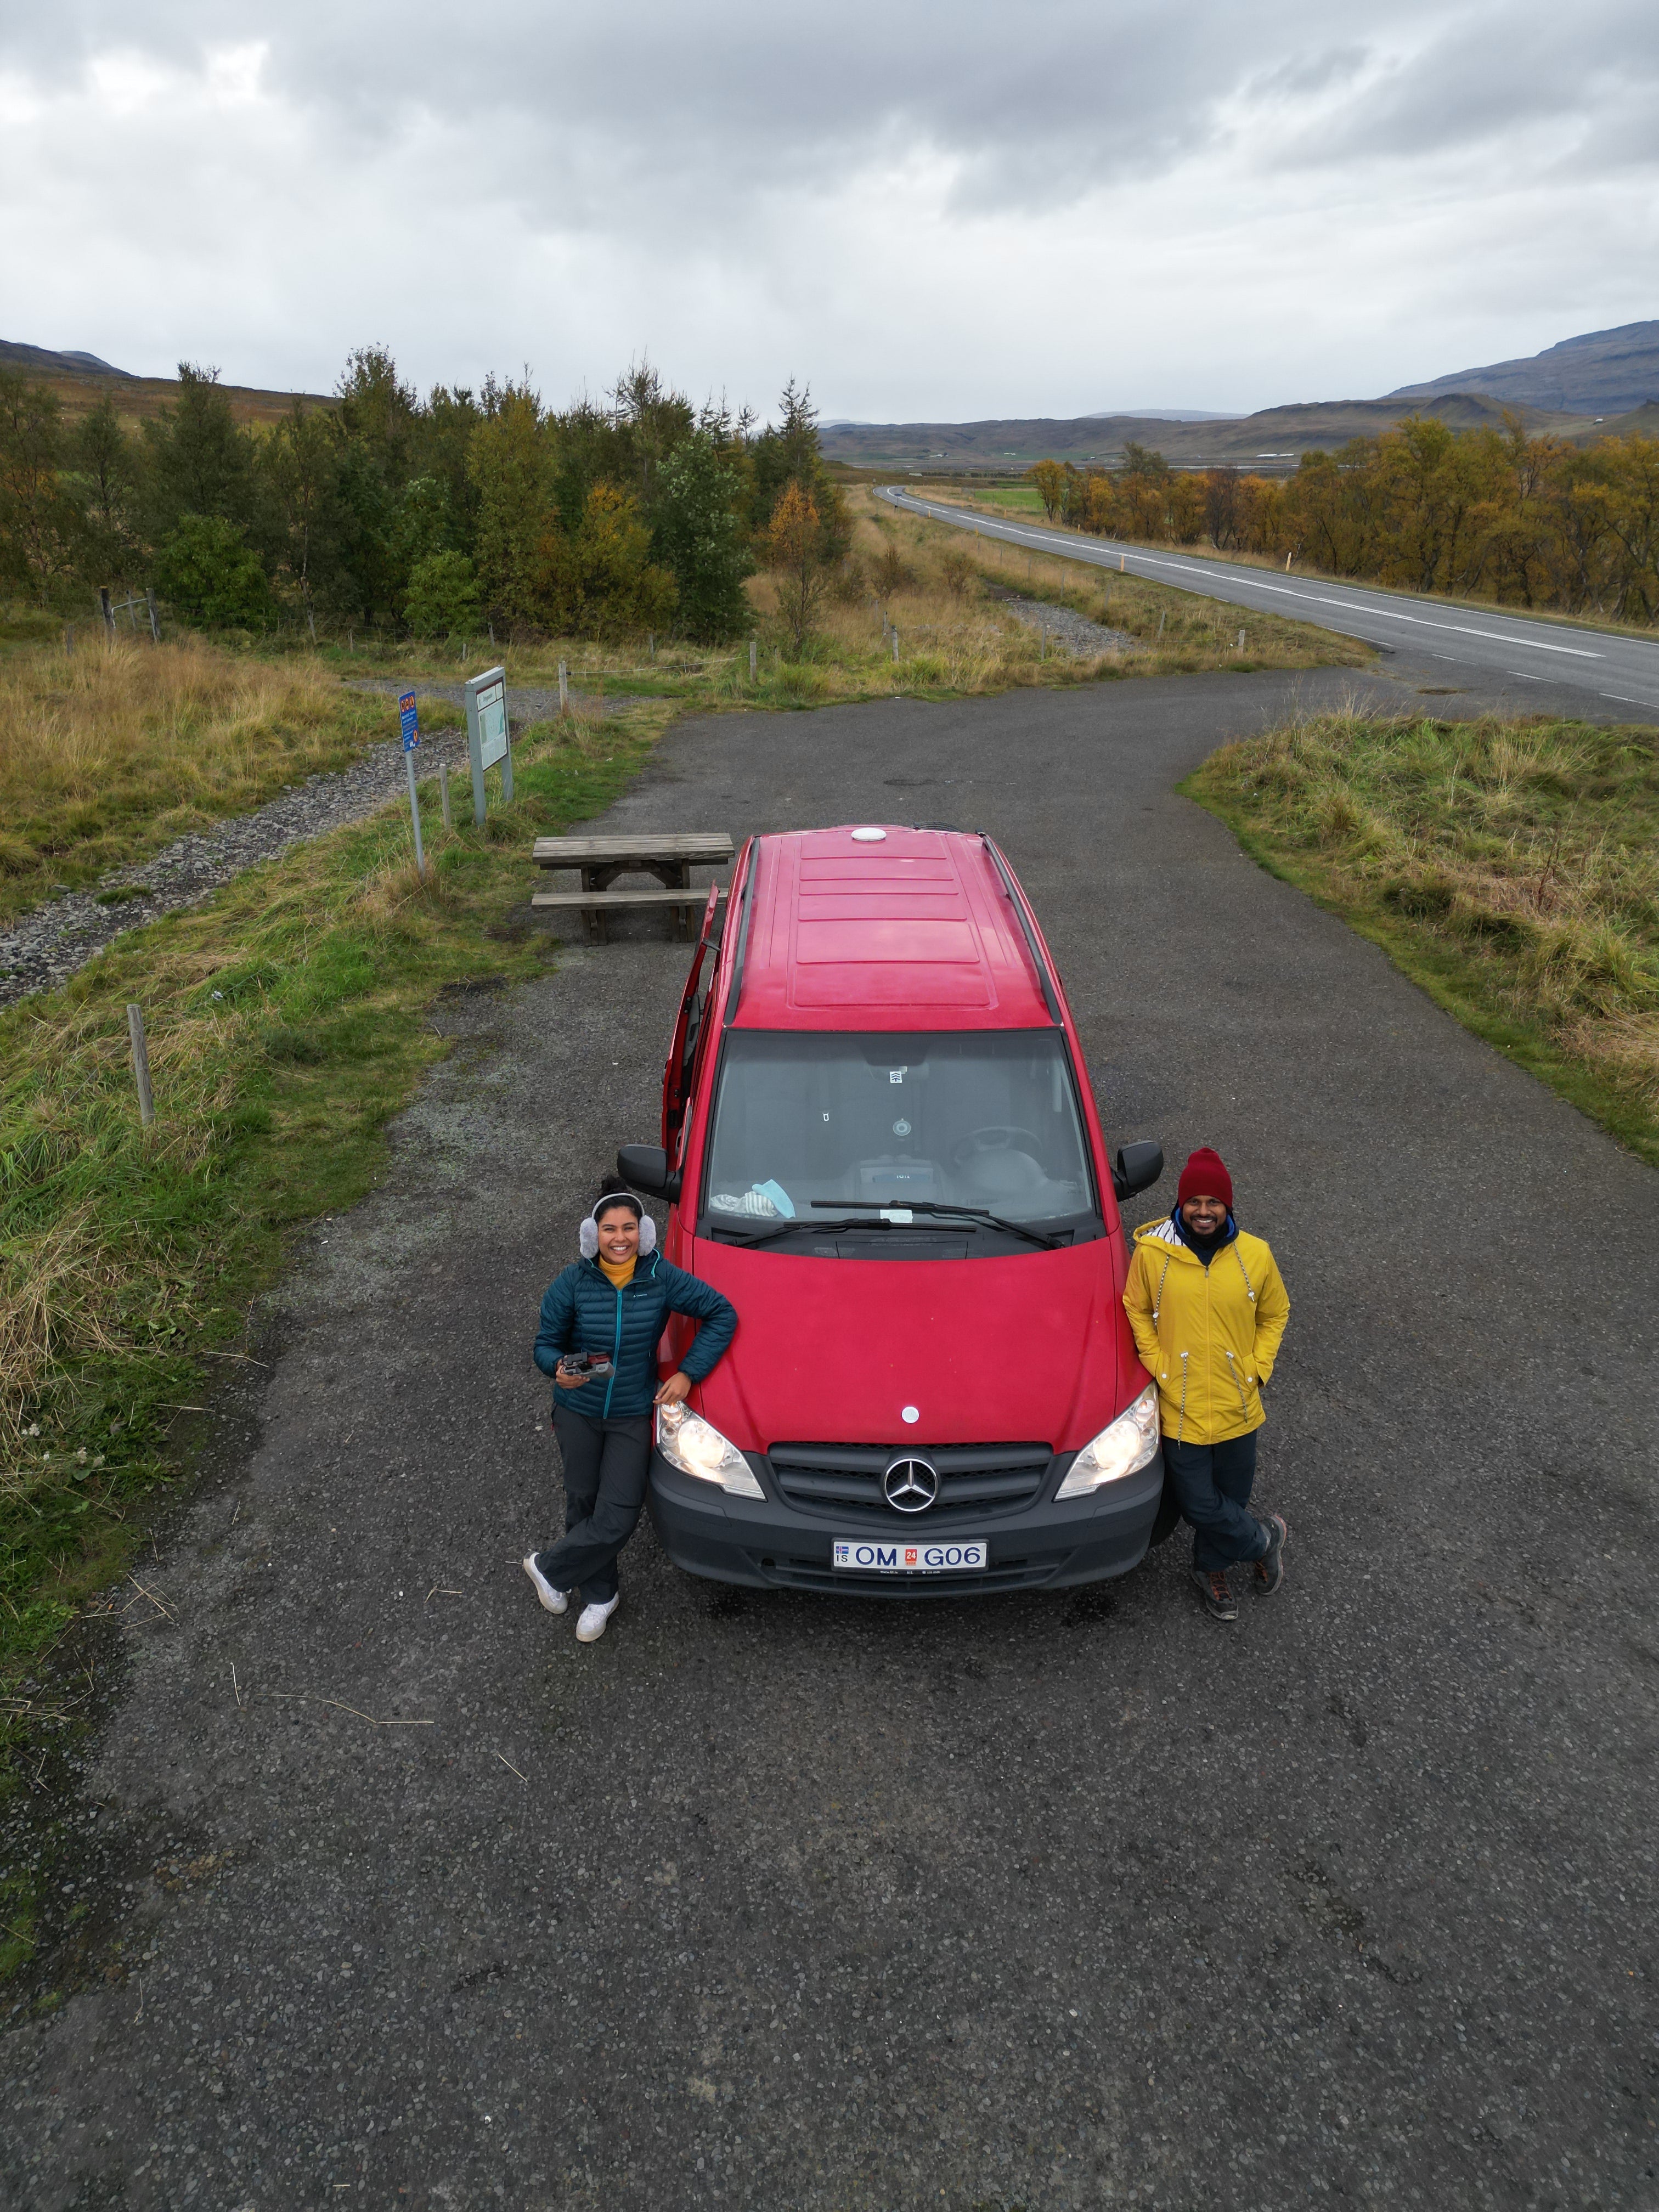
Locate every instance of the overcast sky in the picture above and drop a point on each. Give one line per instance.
(933, 211)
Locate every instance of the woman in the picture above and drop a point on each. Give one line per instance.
(610, 1308)
(1208, 1311)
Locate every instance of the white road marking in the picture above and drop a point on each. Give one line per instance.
(1355, 606)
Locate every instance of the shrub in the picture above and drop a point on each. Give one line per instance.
(208, 574)
(443, 595)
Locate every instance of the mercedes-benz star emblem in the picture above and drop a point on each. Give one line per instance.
(910, 1485)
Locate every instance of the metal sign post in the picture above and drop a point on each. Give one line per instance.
(488, 736)
(410, 727)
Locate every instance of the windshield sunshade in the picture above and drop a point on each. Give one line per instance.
(982, 1120)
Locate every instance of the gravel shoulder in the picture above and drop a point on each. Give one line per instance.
(401, 1896)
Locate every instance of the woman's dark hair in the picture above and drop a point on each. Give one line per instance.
(613, 1192)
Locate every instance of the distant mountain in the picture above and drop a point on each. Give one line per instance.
(1603, 372)
(64, 364)
(1277, 436)
(1165, 415)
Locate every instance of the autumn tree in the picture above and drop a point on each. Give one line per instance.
(1049, 478)
(795, 555)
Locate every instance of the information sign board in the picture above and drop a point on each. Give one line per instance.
(408, 722)
(489, 734)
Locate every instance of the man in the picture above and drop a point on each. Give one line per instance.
(1208, 1311)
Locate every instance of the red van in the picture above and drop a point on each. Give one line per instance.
(880, 1142)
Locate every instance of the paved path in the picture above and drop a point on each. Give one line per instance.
(1510, 651)
(770, 1902)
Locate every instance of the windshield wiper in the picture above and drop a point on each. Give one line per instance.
(791, 1229)
(938, 1205)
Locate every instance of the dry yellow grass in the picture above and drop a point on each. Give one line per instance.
(108, 753)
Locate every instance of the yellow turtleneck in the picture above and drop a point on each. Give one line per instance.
(616, 1272)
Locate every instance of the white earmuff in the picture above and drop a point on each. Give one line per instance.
(587, 1237)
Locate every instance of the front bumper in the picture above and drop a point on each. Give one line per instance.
(768, 1544)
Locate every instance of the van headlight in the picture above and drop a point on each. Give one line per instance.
(1117, 1451)
(696, 1446)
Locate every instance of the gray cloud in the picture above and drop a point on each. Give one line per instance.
(829, 188)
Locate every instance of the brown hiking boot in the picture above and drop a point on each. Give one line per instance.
(1219, 1601)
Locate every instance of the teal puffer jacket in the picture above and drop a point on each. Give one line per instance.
(584, 1312)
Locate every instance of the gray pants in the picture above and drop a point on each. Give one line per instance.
(606, 1465)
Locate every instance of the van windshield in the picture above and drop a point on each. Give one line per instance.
(808, 1123)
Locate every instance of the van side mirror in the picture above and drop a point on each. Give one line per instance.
(1137, 1167)
(646, 1167)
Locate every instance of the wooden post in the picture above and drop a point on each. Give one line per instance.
(141, 1064)
(107, 611)
(1241, 641)
(564, 684)
(1160, 624)
(443, 794)
(68, 637)
(155, 619)
(754, 658)
(311, 616)
(651, 642)
(895, 640)
(492, 637)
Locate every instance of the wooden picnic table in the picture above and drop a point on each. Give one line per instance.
(668, 854)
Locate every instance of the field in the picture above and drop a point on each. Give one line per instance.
(1512, 868)
(108, 753)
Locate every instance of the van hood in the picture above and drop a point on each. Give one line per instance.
(1026, 1348)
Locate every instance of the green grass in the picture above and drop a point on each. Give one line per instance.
(285, 1032)
(1510, 867)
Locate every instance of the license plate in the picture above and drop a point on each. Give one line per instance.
(877, 1556)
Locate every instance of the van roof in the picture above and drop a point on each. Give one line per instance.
(910, 930)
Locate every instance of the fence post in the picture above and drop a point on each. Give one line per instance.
(108, 611)
(154, 619)
(754, 658)
(895, 640)
(68, 637)
(564, 686)
(141, 1064)
(443, 792)
(1160, 623)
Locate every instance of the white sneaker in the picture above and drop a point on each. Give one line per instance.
(556, 1601)
(591, 1627)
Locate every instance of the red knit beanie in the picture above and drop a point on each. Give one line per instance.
(1205, 1176)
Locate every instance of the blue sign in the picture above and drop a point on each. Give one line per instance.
(412, 727)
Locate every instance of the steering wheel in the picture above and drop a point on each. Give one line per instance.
(995, 1136)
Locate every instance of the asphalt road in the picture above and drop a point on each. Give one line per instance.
(1486, 645)
(399, 1896)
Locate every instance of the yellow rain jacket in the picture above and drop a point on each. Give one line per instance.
(1209, 1336)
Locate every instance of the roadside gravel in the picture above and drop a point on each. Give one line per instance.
(46, 947)
(1071, 631)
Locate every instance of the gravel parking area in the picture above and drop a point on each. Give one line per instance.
(766, 1901)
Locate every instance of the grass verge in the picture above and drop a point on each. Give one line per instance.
(109, 753)
(1510, 867)
(285, 1032)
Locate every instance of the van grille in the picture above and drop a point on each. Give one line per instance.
(974, 1478)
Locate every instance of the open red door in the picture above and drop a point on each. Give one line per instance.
(688, 1024)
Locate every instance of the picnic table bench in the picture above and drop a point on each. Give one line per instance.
(668, 854)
